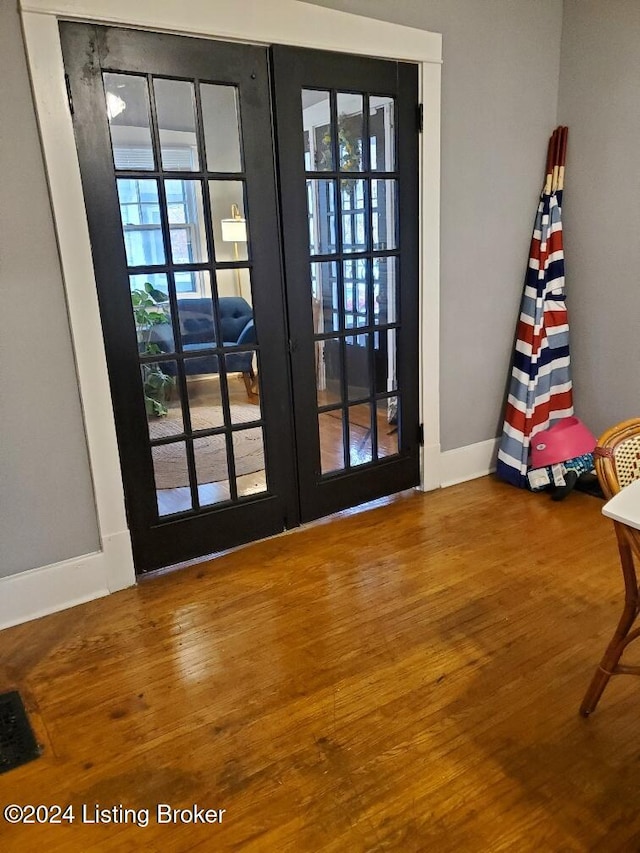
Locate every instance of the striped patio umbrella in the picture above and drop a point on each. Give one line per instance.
(540, 391)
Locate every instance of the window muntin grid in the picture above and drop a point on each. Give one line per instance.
(354, 268)
(171, 219)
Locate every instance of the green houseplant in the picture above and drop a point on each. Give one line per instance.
(349, 144)
(150, 308)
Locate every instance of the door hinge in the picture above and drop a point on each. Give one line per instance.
(67, 84)
(420, 117)
(421, 435)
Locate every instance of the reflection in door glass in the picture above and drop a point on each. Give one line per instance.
(242, 369)
(358, 367)
(383, 209)
(353, 199)
(331, 441)
(324, 288)
(152, 313)
(206, 412)
(195, 311)
(212, 471)
(248, 455)
(204, 388)
(186, 221)
(244, 400)
(161, 398)
(385, 357)
(321, 208)
(317, 129)
(356, 292)
(156, 280)
(350, 131)
(171, 474)
(382, 133)
(360, 432)
(221, 127)
(230, 231)
(387, 413)
(329, 375)
(127, 104)
(235, 282)
(176, 124)
(384, 289)
(140, 214)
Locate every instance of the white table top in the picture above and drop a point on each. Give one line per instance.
(625, 506)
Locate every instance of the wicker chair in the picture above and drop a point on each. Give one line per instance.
(617, 462)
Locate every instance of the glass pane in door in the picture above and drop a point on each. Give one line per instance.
(318, 139)
(331, 429)
(385, 290)
(360, 435)
(127, 104)
(383, 212)
(175, 109)
(230, 227)
(171, 474)
(162, 398)
(212, 471)
(324, 287)
(140, 215)
(204, 409)
(187, 233)
(354, 202)
(354, 286)
(387, 427)
(248, 455)
(152, 313)
(321, 206)
(382, 133)
(329, 371)
(235, 281)
(350, 131)
(194, 299)
(221, 120)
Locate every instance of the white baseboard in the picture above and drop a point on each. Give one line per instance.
(467, 463)
(48, 589)
(430, 467)
(38, 592)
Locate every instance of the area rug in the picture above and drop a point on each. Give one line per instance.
(170, 463)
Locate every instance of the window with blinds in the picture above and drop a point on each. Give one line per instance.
(134, 157)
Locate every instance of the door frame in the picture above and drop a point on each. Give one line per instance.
(287, 22)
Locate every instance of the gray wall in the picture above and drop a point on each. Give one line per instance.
(600, 101)
(499, 106)
(499, 103)
(46, 500)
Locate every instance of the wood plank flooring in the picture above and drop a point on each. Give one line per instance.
(402, 679)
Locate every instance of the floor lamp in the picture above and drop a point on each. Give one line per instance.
(234, 231)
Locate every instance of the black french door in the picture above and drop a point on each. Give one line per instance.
(175, 149)
(242, 405)
(348, 168)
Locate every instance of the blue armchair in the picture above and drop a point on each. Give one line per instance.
(197, 332)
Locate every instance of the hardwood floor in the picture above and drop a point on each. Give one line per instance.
(402, 679)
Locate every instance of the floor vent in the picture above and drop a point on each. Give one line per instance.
(17, 742)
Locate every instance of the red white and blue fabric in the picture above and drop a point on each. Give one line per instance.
(540, 391)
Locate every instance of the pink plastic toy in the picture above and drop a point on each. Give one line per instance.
(564, 440)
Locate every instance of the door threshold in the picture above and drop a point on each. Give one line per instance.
(343, 513)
